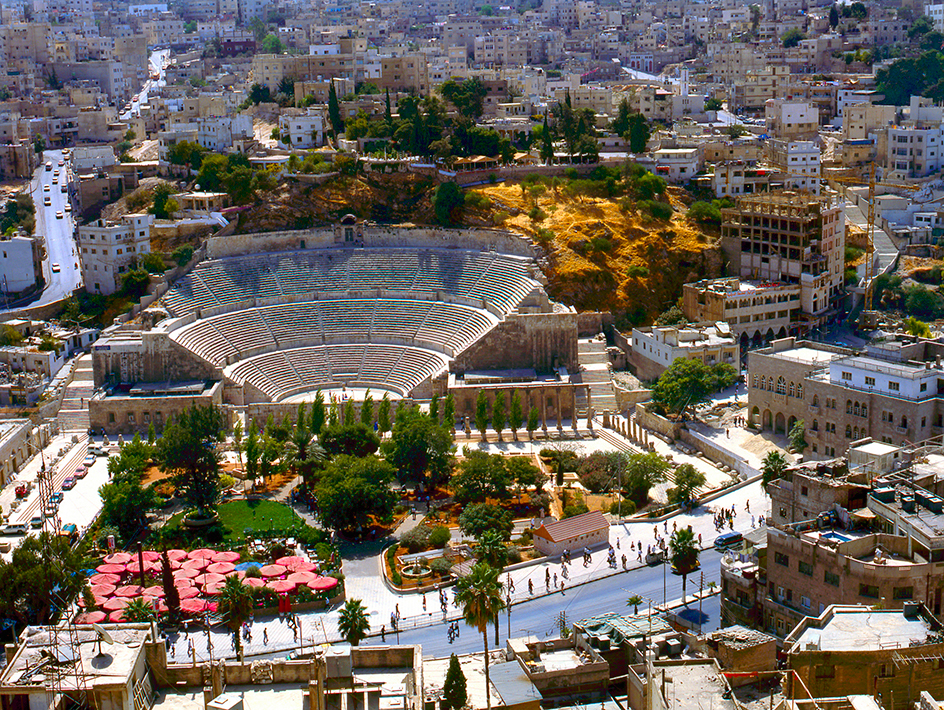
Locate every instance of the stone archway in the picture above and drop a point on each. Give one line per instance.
(790, 422)
(782, 333)
(779, 423)
(755, 416)
(768, 420)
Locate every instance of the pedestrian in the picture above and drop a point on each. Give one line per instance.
(562, 588)
(747, 506)
(699, 539)
(617, 543)
(397, 609)
(752, 522)
(424, 601)
(265, 637)
(530, 587)
(624, 562)
(383, 632)
(727, 432)
(555, 579)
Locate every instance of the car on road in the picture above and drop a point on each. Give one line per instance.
(68, 484)
(55, 498)
(61, 163)
(36, 522)
(89, 460)
(48, 165)
(80, 472)
(15, 529)
(68, 208)
(728, 540)
(64, 188)
(47, 201)
(59, 215)
(55, 181)
(56, 268)
(66, 152)
(51, 510)
(97, 451)
(45, 188)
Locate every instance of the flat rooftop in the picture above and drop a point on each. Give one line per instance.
(695, 686)
(809, 356)
(877, 448)
(280, 696)
(858, 629)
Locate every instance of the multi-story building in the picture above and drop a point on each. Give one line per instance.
(810, 488)
(935, 12)
(225, 133)
(656, 348)
(107, 250)
(406, 73)
(889, 393)
(754, 310)
(794, 237)
(303, 129)
(791, 119)
(915, 150)
(733, 178)
(21, 264)
(798, 161)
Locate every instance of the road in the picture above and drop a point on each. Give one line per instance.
(155, 64)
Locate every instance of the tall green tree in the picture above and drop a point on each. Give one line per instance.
(797, 436)
(234, 607)
(688, 382)
(643, 471)
(481, 413)
(499, 417)
(350, 414)
(480, 598)
(515, 415)
(383, 415)
(833, 17)
(491, 549)
(419, 449)
(638, 134)
(334, 111)
(351, 490)
(534, 420)
(367, 410)
(449, 411)
(547, 143)
(687, 480)
(188, 450)
(455, 694)
(480, 476)
(773, 466)
(171, 593)
(353, 622)
(316, 419)
(684, 553)
(253, 452)
(349, 440)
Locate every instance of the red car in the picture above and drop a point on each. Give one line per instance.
(68, 484)
(80, 472)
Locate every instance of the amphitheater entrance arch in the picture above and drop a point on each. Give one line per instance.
(779, 423)
(768, 420)
(755, 416)
(745, 341)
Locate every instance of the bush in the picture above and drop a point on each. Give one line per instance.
(705, 213)
(544, 236)
(439, 536)
(629, 507)
(182, 254)
(537, 214)
(440, 566)
(853, 253)
(396, 578)
(637, 272)
(576, 509)
(649, 186)
(416, 540)
(226, 481)
(656, 210)
(253, 571)
(477, 200)
(601, 244)
(500, 217)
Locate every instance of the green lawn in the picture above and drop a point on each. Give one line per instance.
(255, 515)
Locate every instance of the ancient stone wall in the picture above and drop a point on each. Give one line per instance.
(539, 340)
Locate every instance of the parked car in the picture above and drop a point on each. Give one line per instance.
(55, 498)
(89, 460)
(36, 522)
(56, 268)
(729, 539)
(80, 472)
(95, 450)
(68, 484)
(15, 529)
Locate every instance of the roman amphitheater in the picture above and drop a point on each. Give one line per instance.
(267, 320)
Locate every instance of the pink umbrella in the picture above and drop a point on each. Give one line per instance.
(213, 589)
(290, 561)
(114, 604)
(102, 590)
(226, 557)
(186, 573)
(155, 591)
(188, 592)
(177, 555)
(202, 553)
(302, 577)
(118, 558)
(183, 582)
(221, 567)
(151, 556)
(116, 617)
(99, 601)
(209, 578)
(323, 584)
(253, 582)
(238, 574)
(135, 568)
(104, 579)
(129, 590)
(194, 564)
(281, 585)
(110, 569)
(92, 617)
(193, 606)
(273, 571)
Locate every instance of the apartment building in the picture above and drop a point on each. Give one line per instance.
(407, 73)
(302, 129)
(916, 150)
(222, 134)
(269, 69)
(889, 393)
(798, 161)
(812, 487)
(791, 119)
(733, 178)
(21, 264)
(656, 348)
(107, 250)
(758, 86)
(754, 310)
(935, 12)
(794, 237)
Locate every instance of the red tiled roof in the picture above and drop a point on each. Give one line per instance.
(569, 528)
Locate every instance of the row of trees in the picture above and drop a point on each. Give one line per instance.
(635, 474)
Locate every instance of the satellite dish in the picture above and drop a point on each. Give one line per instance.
(102, 636)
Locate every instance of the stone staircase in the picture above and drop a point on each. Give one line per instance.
(73, 415)
(595, 372)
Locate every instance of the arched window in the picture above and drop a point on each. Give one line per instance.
(865, 410)
(855, 432)
(800, 391)
(848, 406)
(815, 400)
(815, 426)
(848, 431)
(754, 381)
(855, 409)
(781, 386)
(792, 390)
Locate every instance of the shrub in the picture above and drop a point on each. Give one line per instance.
(182, 254)
(853, 253)
(705, 213)
(629, 507)
(576, 509)
(226, 481)
(439, 536)
(440, 566)
(601, 244)
(477, 199)
(417, 539)
(500, 217)
(514, 555)
(253, 571)
(637, 272)
(649, 185)
(544, 235)
(396, 578)
(656, 210)
(627, 204)
(537, 214)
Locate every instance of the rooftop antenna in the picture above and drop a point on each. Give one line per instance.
(103, 635)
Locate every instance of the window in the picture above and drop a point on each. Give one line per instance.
(924, 386)
(903, 593)
(807, 569)
(823, 671)
(805, 602)
(781, 386)
(894, 386)
(831, 578)
(782, 559)
(847, 375)
(868, 590)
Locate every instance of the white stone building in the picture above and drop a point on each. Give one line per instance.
(107, 250)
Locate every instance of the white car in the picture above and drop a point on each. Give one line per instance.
(45, 188)
(59, 215)
(56, 268)
(68, 208)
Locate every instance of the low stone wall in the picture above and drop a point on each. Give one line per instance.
(654, 422)
(719, 455)
(592, 323)
(627, 398)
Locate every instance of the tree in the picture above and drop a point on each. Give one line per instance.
(687, 480)
(39, 145)
(138, 611)
(467, 95)
(492, 550)
(792, 37)
(534, 418)
(447, 203)
(271, 44)
(449, 411)
(833, 17)
(684, 553)
(524, 473)
(797, 436)
(455, 694)
(351, 490)
(125, 505)
(419, 449)
(253, 452)
(334, 111)
(672, 316)
(917, 328)
(547, 143)
(33, 590)
(383, 415)
(367, 410)
(434, 408)
(480, 597)
(188, 449)
(643, 471)
(713, 104)
(638, 134)
(353, 622)
(163, 206)
(316, 417)
(499, 418)
(480, 476)
(689, 382)
(349, 440)
(182, 254)
(514, 415)
(234, 607)
(773, 467)
(135, 283)
(476, 519)
(481, 413)
(634, 601)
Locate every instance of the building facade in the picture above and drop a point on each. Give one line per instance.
(107, 250)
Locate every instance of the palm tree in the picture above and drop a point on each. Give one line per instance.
(480, 596)
(684, 553)
(138, 611)
(634, 601)
(353, 622)
(234, 607)
(773, 467)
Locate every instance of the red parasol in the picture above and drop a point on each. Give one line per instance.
(103, 590)
(323, 584)
(281, 585)
(92, 617)
(104, 579)
(116, 617)
(293, 562)
(114, 604)
(193, 606)
(135, 568)
(254, 582)
(209, 578)
(118, 558)
(129, 590)
(302, 577)
(213, 589)
(184, 582)
(194, 564)
(226, 557)
(110, 569)
(99, 601)
(188, 592)
(185, 573)
(273, 571)
(177, 555)
(202, 553)
(221, 567)
(155, 591)
(151, 556)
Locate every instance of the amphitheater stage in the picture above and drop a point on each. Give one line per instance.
(339, 394)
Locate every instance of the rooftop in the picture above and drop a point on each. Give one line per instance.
(808, 356)
(257, 697)
(862, 628)
(695, 685)
(740, 637)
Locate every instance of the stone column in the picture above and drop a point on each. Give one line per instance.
(468, 429)
(560, 415)
(543, 412)
(606, 418)
(590, 418)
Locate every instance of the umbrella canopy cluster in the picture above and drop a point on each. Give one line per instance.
(199, 575)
